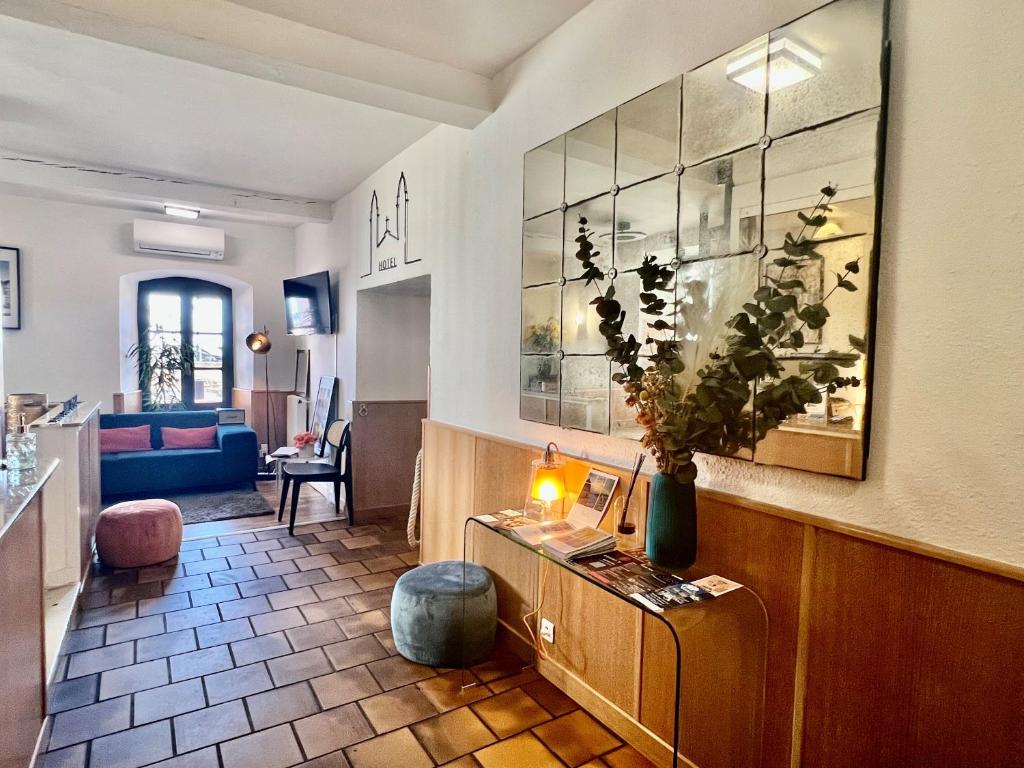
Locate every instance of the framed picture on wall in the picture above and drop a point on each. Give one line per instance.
(10, 284)
(322, 410)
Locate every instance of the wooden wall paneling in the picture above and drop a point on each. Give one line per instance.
(278, 416)
(515, 572)
(911, 661)
(829, 452)
(597, 635)
(501, 476)
(764, 553)
(127, 402)
(384, 446)
(447, 491)
(22, 675)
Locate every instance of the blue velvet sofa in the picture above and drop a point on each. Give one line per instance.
(137, 473)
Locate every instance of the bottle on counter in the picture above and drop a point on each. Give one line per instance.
(21, 448)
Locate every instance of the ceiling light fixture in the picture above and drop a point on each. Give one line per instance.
(181, 212)
(624, 233)
(786, 63)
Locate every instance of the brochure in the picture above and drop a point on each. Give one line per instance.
(593, 501)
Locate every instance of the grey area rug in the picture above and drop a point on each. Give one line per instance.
(220, 505)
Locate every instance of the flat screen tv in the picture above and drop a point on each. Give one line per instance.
(309, 305)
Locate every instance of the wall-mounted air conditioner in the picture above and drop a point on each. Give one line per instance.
(169, 238)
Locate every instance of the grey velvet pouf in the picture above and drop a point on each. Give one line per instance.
(427, 618)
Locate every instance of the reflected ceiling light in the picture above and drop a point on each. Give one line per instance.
(181, 212)
(787, 63)
(624, 233)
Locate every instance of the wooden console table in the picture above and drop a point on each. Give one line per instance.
(717, 654)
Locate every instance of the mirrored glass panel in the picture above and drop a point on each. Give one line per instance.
(720, 206)
(645, 222)
(598, 213)
(590, 158)
(541, 311)
(648, 134)
(825, 65)
(628, 287)
(543, 176)
(580, 334)
(829, 438)
(818, 278)
(798, 167)
(708, 293)
(723, 103)
(538, 395)
(542, 249)
(585, 389)
(623, 418)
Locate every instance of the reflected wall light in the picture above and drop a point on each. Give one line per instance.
(787, 63)
(624, 233)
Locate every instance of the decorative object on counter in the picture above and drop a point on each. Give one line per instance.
(31, 405)
(305, 442)
(10, 285)
(67, 408)
(714, 408)
(627, 527)
(445, 614)
(547, 486)
(134, 534)
(21, 448)
(259, 344)
(160, 370)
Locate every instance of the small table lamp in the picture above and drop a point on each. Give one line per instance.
(547, 484)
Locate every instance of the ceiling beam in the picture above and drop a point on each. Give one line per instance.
(232, 37)
(50, 178)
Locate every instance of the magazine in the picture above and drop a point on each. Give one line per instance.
(574, 540)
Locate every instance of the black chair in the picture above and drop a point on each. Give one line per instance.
(339, 437)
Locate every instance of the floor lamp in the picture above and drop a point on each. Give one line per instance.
(258, 343)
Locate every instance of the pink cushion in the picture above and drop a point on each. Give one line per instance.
(117, 439)
(133, 534)
(196, 437)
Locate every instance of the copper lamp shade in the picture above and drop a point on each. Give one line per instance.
(258, 342)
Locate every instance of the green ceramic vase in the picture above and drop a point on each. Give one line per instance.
(672, 522)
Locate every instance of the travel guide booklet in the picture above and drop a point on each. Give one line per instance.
(630, 573)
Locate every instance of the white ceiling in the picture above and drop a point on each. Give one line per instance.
(481, 36)
(77, 98)
(287, 99)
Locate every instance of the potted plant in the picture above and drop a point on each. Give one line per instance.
(160, 369)
(305, 441)
(711, 409)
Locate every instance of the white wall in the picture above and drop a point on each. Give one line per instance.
(392, 346)
(947, 442)
(78, 266)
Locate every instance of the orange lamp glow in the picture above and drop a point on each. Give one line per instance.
(547, 484)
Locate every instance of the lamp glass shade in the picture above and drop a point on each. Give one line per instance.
(258, 342)
(547, 489)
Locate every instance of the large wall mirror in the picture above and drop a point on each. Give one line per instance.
(708, 173)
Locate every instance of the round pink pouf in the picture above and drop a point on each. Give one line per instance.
(137, 533)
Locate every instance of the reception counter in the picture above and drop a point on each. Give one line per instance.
(22, 655)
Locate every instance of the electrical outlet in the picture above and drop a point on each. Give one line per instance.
(547, 630)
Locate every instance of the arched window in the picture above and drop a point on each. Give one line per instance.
(177, 311)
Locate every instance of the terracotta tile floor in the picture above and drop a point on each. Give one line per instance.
(260, 649)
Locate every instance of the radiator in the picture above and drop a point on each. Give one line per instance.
(296, 420)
